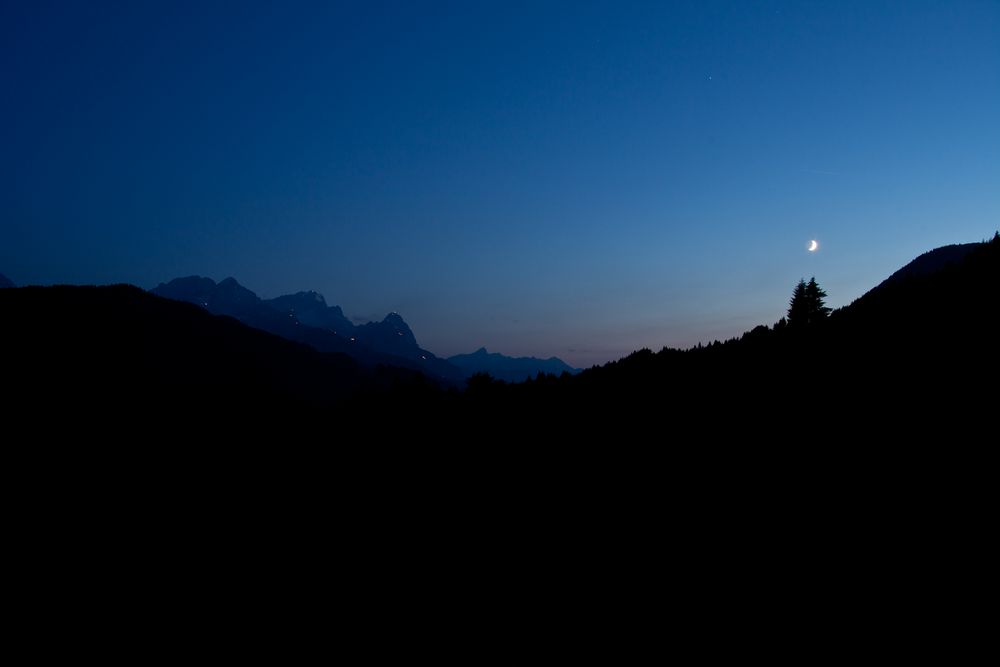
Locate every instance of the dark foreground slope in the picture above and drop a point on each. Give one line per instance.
(661, 476)
(916, 355)
(933, 261)
(122, 360)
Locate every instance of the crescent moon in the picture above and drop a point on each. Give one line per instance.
(813, 245)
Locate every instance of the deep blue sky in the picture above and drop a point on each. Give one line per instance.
(575, 179)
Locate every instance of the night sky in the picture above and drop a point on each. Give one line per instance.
(576, 179)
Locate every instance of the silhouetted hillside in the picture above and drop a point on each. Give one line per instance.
(918, 354)
(112, 354)
(6, 282)
(509, 369)
(933, 261)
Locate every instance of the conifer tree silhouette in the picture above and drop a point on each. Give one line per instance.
(798, 313)
(816, 300)
(808, 304)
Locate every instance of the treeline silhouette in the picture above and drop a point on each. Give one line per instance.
(915, 349)
(914, 354)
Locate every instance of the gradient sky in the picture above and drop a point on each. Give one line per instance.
(576, 179)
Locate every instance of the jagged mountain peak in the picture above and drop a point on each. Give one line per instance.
(193, 289)
(396, 320)
(303, 300)
(311, 308)
(230, 294)
(391, 333)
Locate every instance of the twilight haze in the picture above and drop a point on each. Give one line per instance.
(577, 179)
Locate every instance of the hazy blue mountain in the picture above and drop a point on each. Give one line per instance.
(6, 282)
(225, 298)
(311, 309)
(193, 289)
(392, 334)
(306, 318)
(510, 369)
(230, 298)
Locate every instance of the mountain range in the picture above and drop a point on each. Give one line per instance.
(6, 282)
(306, 317)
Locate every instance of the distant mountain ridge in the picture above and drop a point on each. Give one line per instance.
(6, 282)
(305, 317)
(509, 369)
